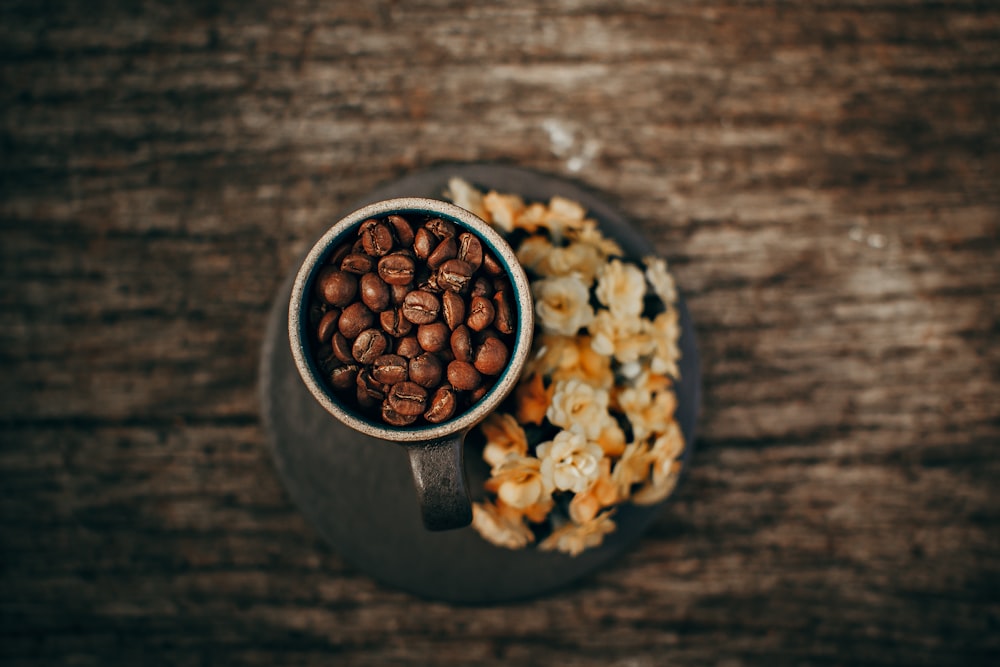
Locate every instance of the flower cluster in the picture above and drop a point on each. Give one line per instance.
(597, 393)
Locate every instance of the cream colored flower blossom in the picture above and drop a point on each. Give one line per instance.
(589, 234)
(501, 525)
(612, 437)
(602, 493)
(569, 462)
(532, 218)
(562, 216)
(517, 481)
(625, 338)
(664, 332)
(648, 403)
(661, 280)
(621, 287)
(576, 259)
(562, 305)
(555, 354)
(632, 468)
(659, 487)
(504, 436)
(575, 538)
(580, 407)
(532, 399)
(502, 210)
(461, 193)
(583, 363)
(533, 253)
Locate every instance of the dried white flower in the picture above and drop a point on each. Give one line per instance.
(569, 462)
(666, 449)
(631, 468)
(590, 235)
(661, 280)
(461, 193)
(533, 253)
(649, 404)
(664, 332)
(575, 538)
(624, 338)
(517, 481)
(621, 287)
(562, 305)
(504, 436)
(503, 210)
(580, 407)
(500, 525)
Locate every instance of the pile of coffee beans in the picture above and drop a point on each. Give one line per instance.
(413, 319)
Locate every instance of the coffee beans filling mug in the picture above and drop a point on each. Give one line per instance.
(410, 321)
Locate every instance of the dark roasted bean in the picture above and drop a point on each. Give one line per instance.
(491, 356)
(369, 345)
(393, 418)
(336, 287)
(344, 377)
(396, 269)
(368, 387)
(357, 263)
(407, 398)
(390, 369)
(481, 313)
(377, 239)
(491, 264)
(394, 324)
(452, 309)
(442, 405)
(470, 250)
(440, 228)
(426, 370)
(445, 250)
(461, 343)
(355, 319)
(477, 394)
(421, 307)
(338, 255)
(433, 337)
(482, 287)
(464, 376)
(374, 292)
(342, 348)
(403, 230)
(399, 293)
(503, 319)
(409, 347)
(326, 359)
(327, 326)
(423, 243)
(454, 275)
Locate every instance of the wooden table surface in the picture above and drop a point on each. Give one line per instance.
(823, 178)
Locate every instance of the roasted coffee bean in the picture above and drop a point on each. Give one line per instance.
(491, 356)
(327, 326)
(355, 319)
(503, 319)
(407, 398)
(491, 264)
(390, 369)
(393, 418)
(421, 307)
(464, 376)
(452, 309)
(344, 377)
(433, 337)
(317, 309)
(358, 247)
(442, 405)
(326, 359)
(369, 345)
(403, 230)
(342, 348)
(396, 269)
(370, 390)
(481, 313)
(470, 250)
(445, 250)
(446, 356)
(409, 347)
(423, 243)
(394, 324)
(357, 263)
(336, 287)
(374, 292)
(377, 239)
(338, 255)
(482, 287)
(426, 370)
(441, 228)
(399, 293)
(477, 394)
(461, 343)
(454, 275)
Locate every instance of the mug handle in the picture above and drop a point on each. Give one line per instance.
(439, 474)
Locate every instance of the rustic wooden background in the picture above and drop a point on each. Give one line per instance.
(822, 176)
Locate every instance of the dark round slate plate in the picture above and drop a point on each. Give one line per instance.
(358, 492)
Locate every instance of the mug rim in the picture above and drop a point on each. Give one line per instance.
(299, 302)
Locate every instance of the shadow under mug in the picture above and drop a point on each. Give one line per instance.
(435, 450)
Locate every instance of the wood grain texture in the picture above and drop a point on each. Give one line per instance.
(823, 178)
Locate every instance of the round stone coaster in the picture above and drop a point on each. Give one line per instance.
(358, 492)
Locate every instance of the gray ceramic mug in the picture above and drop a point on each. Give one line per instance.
(435, 451)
